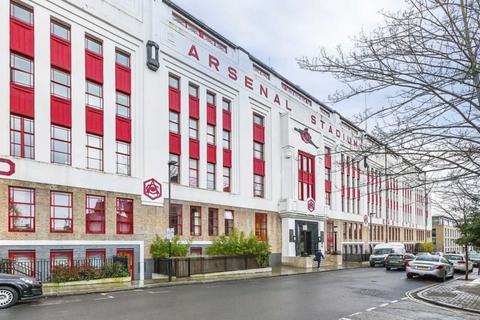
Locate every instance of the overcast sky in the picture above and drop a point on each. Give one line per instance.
(278, 31)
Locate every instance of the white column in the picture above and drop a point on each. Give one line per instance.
(79, 157)
(184, 131)
(219, 133)
(109, 108)
(5, 78)
(202, 125)
(42, 85)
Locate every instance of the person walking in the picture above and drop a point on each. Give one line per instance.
(318, 257)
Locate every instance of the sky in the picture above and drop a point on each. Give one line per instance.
(279, 31)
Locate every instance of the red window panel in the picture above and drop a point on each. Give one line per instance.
(306, 176)
(261, 226)
(175, 218)
(124, 216)
(94, 121)
(195, 221)
(194, 149)
(60, 53)
(328, 161)
(93, 66)
(212, 222)
(61, 211)
(211, 153)
(196, 251)
(123, 129)
(22, 100)
(328, 186)
(194, 108)
(95, 257)
(21, 37)
(95, 214)
(175, 143)
(122, 78)
(211, 114)
(21, 209)
(61, 111)
(227, 120)
(259, 167)
(174, 99)
(24, 261)
(258, 133)
(61, 258)
(227, 158)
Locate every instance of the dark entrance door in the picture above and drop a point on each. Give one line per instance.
(306, 242)
(306, 233)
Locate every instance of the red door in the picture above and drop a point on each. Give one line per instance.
(129, 254)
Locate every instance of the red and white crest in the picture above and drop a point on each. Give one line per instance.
(152, 189)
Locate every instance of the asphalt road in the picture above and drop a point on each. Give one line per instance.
(348, 294)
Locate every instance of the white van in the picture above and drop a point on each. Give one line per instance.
(381, 251)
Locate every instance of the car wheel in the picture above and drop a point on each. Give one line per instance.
(444, 277)
(409, 276)
(388, 268)
(372, 264)
(8, 297)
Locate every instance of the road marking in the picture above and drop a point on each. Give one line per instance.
(138, 290)
(405, 298)
(394, 301)
(208, 287)
(383, 305)
(371, 309)
(344, 319)
(355, 314)
(105, 298)
(154, 292)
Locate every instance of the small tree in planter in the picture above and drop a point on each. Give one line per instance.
(159, 247)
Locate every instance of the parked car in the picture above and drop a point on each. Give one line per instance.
(382, 250)
(407, 257)
(475, 259)
(430, 266)
(17, 287)
(394, 261)
(437, 253)
(423, 254)
(459, 262)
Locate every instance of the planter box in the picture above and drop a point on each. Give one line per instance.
(86, 282)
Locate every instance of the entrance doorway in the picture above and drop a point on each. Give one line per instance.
(129, 254)
(306, 243)
(306, 233)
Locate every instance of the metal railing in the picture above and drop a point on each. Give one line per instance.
(43, 270)
(187, 266)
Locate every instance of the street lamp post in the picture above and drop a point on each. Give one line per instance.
(370, 214)
(170, 265)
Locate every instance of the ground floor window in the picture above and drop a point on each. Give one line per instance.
(61, 258)
(175, 218)
(228, 222)
(195, 221)
(24, 261)
(261, 226)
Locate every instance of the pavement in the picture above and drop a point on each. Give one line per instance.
(362, 293)
(132, 285)
(459, 293)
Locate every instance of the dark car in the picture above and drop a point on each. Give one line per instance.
(398, 261)
(17, 287)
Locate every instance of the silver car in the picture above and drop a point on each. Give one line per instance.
(432, 266)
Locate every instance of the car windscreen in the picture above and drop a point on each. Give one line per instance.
(453, 257)
(474, 256)
(382, 251)
(428, 258)
(395, 256)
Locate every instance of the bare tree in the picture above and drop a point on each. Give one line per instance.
(426, 58)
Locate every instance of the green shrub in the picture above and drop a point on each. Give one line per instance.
(425, 247)
(159, 247)
(114, 270)
(239, 245)
(87, 272)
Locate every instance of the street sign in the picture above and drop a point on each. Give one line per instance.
(170, 233)
(365, 219)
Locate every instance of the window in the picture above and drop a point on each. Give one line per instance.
(61, 145)
(226, 179)
(175, 168)
(258, 150)
(60, 30)
(212, 222)
(193, 176)
(122, 59)
(328, 199)
(261, 226)
(210, 98)
(226, 140)
(24, 262)
(328, 174)
(306, 176)
(61, 258)
(60, 84)
(174, 119)
(123, 105)
(228, 222)
(193, 131)
(174, 82)
(193, 90)
(258, 119)
(124, 216)
(258, 186)
(95, 257)
(95, 214)
(93, 45)
(22, 136)
(21, 13)
(195, 251)
(211, 134)
(21, 209)
(94, 95)
(195, 221)
(175, 219)
(61, 215)
(210, 176)
(226, 105)
(21, 70)
(94, 152)
(123, 158)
